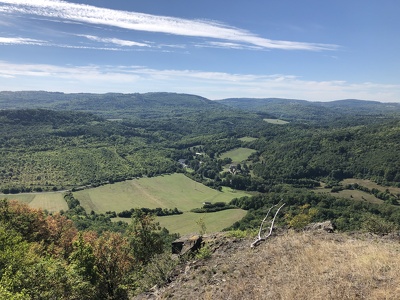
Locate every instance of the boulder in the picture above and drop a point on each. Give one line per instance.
(187, 244)
(327, 226)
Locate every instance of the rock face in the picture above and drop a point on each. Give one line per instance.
(187, 244)
(327, 226)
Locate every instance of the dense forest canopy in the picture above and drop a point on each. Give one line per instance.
(149, 133)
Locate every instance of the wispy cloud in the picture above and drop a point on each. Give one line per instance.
(229, 45)
(62, 10)
(213, 85)
(20, 41)
(28, 41)
(119, 42)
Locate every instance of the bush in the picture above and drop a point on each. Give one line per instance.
(204, 252)
(377, 225)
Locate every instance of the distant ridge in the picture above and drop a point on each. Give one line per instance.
(165, 104)
(293, 109)
(147, 105)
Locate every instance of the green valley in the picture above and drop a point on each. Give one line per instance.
(108, 181)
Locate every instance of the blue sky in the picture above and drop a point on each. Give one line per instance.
(311, 49)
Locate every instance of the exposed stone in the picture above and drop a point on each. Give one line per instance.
(327, 226)
(187, 244)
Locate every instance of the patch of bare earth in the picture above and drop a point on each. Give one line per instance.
(307, 265)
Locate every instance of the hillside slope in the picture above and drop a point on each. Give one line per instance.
(301, 110)
(308, 265)
(113, 105)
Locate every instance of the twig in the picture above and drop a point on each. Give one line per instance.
(261, 239)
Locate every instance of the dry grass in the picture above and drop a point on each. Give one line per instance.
(306, 267)
(298, 266)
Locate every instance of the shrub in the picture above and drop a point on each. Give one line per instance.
(204, 252)
(377, 225)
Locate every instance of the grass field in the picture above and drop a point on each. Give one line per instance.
(52, 202)
(357, 194)
(167, 191)
(238, 155)
(353, 195)
(186, 222)
(371, 185)
(276, 121)
(214, 221)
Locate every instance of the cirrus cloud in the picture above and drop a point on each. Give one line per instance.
(20, 41)
(62, 11)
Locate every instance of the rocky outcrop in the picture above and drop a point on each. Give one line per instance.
(327, 226)
(187, 244)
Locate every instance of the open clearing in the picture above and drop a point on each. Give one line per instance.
(168, 191)
(248, 139)
(357, 194)
(186, 223)
(238, 155)
(276, 121)
(52, 202)
(371, 185)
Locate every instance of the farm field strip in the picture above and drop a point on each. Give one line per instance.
(186, 223)
(238, 155)
(248, 139)
(276, 121)
(371, 185)
(358, 194)
(168, 191)
(351, 194)
(52, 202)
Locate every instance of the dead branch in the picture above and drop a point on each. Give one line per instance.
(261, 239)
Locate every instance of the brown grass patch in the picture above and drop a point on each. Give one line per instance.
(298, 266)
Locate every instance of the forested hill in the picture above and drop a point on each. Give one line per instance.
(165, 105)
(114, 105)
(292, 109)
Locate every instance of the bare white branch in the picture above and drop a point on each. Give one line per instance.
(261, 239)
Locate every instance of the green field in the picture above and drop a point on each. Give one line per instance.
(351, 194)
(358, 194)
(167, 191)
(186, 223)
(52, 202)
(238, 155)
(371, 185)
(276, 121)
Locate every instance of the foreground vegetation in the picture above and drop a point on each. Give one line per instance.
(46, 257)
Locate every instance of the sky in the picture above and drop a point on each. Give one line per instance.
(310, 49)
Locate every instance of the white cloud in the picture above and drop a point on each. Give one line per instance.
(119, 42)
(213, 85)
(229, 46)
(62, 10)
(28, 41)
(20, 41)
